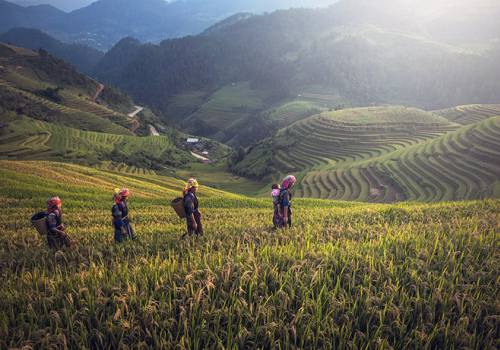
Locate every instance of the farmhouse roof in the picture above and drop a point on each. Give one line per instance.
(192, 140)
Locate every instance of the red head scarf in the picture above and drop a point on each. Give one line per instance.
(52, 202)
(124, 192)
(190, 184)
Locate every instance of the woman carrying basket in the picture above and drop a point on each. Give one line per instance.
(191, 207)
(286, 199)
(123, 228)
(56, 237)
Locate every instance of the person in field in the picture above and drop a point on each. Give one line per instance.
(286, 198)
(121, 221)
(277, 207)
(191, 207)
(56, 237)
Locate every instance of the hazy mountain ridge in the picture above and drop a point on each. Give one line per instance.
(105, 22)
(288, 52)
(82, 56)
(12, 16)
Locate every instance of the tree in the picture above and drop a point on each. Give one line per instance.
(241, 153)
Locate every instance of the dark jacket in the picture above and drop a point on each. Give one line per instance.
(190, 205)
(285, 199)
(120, 215)
(54, 221)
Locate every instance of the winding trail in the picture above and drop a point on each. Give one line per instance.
(136, 122)
(198, 156)
(98, 91)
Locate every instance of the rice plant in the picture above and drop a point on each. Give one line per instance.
(346, 275)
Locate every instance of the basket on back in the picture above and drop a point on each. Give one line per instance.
(39, 220)
(178, 204)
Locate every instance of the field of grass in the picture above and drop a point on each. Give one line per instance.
(217, 176)
(29, 139)
(346, 275)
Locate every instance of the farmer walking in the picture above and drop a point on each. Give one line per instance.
(286, 198)
(56, 237)
(121, 221)
(193, 215)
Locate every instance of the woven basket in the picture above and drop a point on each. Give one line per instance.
(178, 204)
(39, 220)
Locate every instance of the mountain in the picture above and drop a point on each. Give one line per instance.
(82, 56)
(250, 74)
(105, 22)
(41, 16)
(50, 114)
(372, 154)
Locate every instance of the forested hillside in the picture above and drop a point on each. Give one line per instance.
(355, 52)
(82, 56)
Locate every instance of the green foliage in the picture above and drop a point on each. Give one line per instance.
(52, 94)
(116, 99)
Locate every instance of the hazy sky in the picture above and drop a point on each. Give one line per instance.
(71, 5)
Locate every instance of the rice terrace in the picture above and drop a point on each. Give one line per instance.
(395, 234)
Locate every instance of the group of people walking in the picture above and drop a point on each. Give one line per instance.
(57, 236)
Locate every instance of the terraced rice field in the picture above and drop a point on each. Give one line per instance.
(461, 165)
(470, 114)
(30, 139)
(294, 111)
(388, 162)
(230, 105)
(77, 112)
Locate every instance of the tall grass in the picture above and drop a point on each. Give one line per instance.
(345, 276)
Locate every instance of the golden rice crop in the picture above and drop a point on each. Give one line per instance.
(405, 276)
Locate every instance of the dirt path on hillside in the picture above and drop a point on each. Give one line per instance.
(136, 122)
(198, 156)
(98, 91)
(134, 127)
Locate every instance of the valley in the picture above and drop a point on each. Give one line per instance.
(388, 119)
